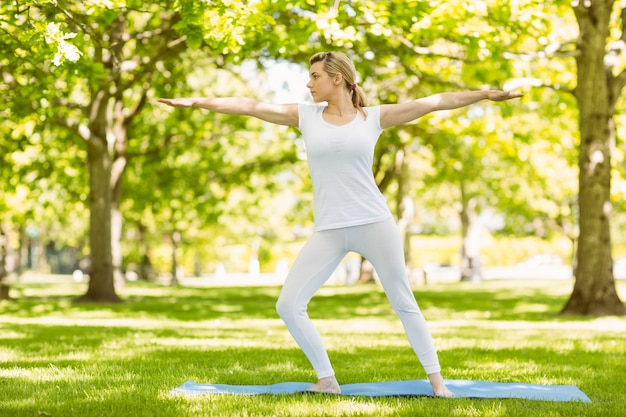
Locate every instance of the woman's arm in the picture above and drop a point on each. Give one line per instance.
(281, 114)
(397, 114)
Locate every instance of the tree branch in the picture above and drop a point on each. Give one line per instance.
(77, 129)
(420, 50)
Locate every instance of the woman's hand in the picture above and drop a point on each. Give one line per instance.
(497, 95)
(177, 102)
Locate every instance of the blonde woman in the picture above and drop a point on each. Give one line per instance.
(351, 215)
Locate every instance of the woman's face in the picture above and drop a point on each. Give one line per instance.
(320, 82)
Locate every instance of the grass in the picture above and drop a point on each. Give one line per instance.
(62, 359)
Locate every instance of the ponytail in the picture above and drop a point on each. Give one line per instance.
(358, 99)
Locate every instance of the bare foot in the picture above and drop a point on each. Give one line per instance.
(328, 385)
(439, 388)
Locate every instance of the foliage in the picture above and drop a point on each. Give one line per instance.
(42, 180)
(432, 53)
(108, 60)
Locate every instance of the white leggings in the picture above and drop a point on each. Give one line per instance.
(381, 244)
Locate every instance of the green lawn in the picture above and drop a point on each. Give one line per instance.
(62, 359)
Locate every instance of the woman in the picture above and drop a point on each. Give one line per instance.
(351, 215)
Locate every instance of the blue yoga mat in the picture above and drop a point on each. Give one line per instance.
(460, 388)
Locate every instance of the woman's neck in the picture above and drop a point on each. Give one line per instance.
(341, 108)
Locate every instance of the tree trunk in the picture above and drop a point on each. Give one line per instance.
(366, 274)
(594, 290)
(146, 271)
(22, 251)
(176, 275)
(101, 286)
(4, 251)
(471, 270)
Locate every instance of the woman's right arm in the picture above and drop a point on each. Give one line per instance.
(280, 114)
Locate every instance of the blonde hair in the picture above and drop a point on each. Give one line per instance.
(339, 63)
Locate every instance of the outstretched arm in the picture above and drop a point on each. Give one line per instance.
(397, 114)
(281, 114)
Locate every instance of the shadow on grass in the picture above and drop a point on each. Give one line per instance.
(487, 301)
(177, 303)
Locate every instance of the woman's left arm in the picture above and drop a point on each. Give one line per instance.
(401, 113)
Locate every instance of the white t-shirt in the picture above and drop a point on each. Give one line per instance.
(340, 163)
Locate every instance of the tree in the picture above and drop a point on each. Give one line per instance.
(599, 85)
(99, 81)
